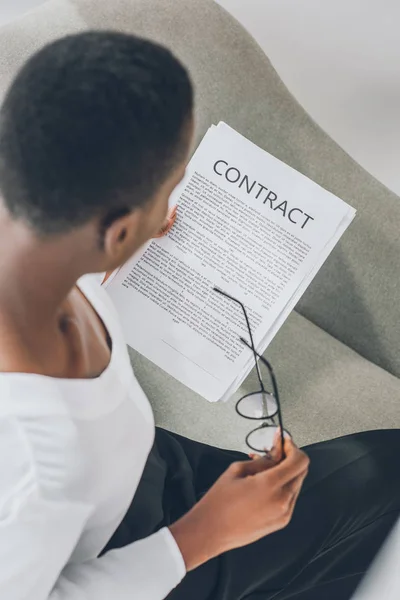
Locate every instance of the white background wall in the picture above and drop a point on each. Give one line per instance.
(341, 59)
(10, 9)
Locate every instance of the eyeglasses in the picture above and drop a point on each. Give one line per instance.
(260, 405)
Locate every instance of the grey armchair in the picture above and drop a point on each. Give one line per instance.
(337, 358)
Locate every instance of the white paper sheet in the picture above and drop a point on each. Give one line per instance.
(247, 223)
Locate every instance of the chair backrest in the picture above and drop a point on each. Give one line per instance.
(356, 295)
(383, 577)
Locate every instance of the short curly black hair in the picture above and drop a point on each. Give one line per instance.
(93, 124)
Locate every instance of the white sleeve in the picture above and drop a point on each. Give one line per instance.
(37, 538)
(40, 528)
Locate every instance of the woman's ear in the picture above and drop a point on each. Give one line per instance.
(119, 237)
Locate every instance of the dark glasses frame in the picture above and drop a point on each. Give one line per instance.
(267, 421)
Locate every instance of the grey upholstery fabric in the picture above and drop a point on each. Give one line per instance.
(327, 389)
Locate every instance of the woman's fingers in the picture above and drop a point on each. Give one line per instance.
(295, 463)
(168, 223)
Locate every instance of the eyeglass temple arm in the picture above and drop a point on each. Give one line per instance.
(252, 347)
(274, 384)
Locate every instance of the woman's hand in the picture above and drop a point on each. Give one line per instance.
(168, 223)
(249, 501)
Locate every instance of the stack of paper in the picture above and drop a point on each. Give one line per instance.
(247, 223)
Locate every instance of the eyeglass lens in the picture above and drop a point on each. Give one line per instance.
(259, 405)
(262, 439)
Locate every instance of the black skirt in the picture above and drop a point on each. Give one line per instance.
(349, 502)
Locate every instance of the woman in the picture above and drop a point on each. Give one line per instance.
(94, 136)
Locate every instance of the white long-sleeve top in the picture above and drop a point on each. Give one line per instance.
(72, 452)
